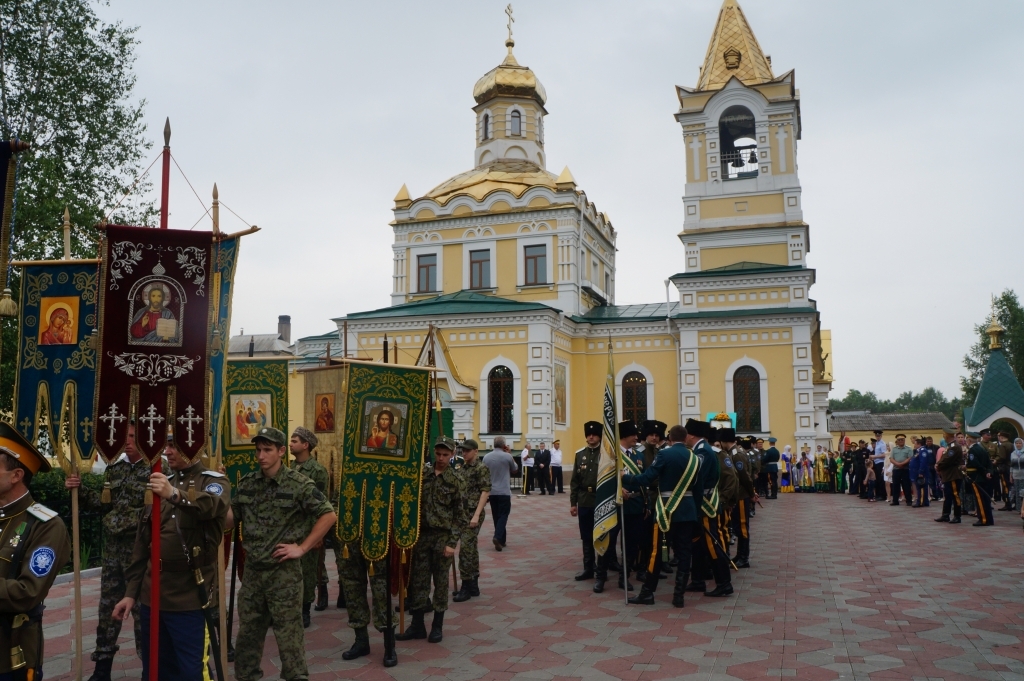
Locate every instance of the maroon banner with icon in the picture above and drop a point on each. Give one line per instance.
(154, 340)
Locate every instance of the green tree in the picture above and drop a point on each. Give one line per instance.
(1010, 315)
(929, 399)
(66, 87)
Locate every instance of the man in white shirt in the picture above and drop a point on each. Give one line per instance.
(528, 479)
(878, 463)
(556, 467)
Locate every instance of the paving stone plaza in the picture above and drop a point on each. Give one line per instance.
(839, 589)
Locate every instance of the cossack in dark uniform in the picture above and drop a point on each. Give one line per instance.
(948, 468)
(34, 546)
(582, 488)
(709, 556)
(979, 474)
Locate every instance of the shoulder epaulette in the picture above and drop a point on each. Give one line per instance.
(42, 512)
(214, 474)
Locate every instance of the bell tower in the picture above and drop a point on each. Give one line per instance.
(741, 124)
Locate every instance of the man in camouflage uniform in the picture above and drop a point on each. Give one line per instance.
(442, 522)
(353, 572)
(302, 444)
(124, 491)
(477, 478)
(274, 505)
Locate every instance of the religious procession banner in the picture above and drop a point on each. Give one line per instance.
(56, 372)
(155, 321)
(256, 395)
(375, 417)
(609, 471)
(225, 256)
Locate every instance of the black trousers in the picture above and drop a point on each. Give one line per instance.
(880, 494)
(635, 528)
(556, 479)
(773, 482)
(741, 525)
(901, 481)
(680, 538)
(529, 480)
(585, 516)
(543, 477)
(501, 507)
(608, 559)
(709, 554)
(951, 492)
(983, 496)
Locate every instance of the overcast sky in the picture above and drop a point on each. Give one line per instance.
(311, 115)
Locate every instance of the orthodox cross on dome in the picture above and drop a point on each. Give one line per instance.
(995, 329)
(511, 20)
(190, 419)
(151, 419)
(112, 418)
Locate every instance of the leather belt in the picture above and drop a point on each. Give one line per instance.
(668, 495)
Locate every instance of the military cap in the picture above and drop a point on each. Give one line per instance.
(698, 428)
(973, 434)
(593, 428)
(985, 431)
(469, 444)
(727, 435)
(773, 440)
(15, 445)
(272, 435)
(901, 435)
(445, 442)
(307, 436)
(877, 432)
(653, 428)
(627, 429)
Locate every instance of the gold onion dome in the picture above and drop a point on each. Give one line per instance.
(509, 79)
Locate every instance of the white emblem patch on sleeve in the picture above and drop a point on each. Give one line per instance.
(42, 561)
(215, 488)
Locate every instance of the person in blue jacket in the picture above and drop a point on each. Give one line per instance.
(676, 470)
(919, 472)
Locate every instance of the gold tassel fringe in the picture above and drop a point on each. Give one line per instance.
(8, 308)
(370, 571)
(344, 551)
(105, 495)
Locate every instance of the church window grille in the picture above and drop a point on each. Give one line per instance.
(517, 124)
(536, 260)
(500, 390)
(746, 386)
(480, 269)
(485, 127)
(739, 148)
(426, 266)
(634, 397)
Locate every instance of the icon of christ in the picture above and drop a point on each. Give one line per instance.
(155, 323)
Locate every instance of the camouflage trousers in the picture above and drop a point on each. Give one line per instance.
(271, 598)
(117, 556)
(352, 573)
(469, 552)
(311, 566)
(429, 564)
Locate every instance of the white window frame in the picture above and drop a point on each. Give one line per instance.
(521, 244)
(414, 253)
(650, 388)
(522, 123)
(492, 246)
(480, 126)
(730, 402)
(517, 394)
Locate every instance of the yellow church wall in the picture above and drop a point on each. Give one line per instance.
(774, 254)
(774, 90)
(742, 297)
(506, 257)
(762, 204)
(452, 269)
(746, 337)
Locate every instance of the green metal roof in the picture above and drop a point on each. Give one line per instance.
(999, 388)
(462, 302)
(739, 268)
(617, 314)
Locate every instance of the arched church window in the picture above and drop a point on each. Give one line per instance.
(485, 127)
(746, 387)
(739, 147)
(500, 392)
(517, 124)
(634, 397)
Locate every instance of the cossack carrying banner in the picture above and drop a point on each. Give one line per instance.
(155, 323)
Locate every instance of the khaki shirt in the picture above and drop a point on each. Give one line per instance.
(48, 549)
(202, 523)
(583, 483)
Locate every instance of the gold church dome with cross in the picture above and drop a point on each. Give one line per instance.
(509, 79)
(733, 52)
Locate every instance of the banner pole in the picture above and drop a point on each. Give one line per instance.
(77, 567)
(154, 556)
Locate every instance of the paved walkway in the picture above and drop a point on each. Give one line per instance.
(840, 588)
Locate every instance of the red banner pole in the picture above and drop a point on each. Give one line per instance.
(154, 557)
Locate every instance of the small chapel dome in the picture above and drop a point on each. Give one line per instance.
(509, 79)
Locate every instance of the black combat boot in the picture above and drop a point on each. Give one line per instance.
(390, 652)
(435, 628)
(321, 597)
(696, 586)
(360, 647)
(305, 615)
(341, 598)
(645, 597)
(624, 583)
(462, 594)
(942, 519)
(679, 593)
(588, 563)
(721, 591)
(102, 670)
(955, 520)
(415, 630)
(600, 579)
(474, 587)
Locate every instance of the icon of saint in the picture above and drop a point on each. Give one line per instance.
(59, 330)
(381, 436)
(325, 419)
(146, 325)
